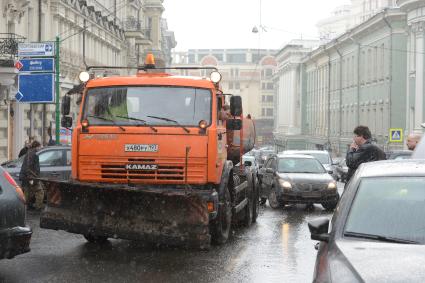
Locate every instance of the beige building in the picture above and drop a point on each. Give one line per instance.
(92, 32)
(246, 72)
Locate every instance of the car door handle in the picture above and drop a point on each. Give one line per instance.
(54, 174)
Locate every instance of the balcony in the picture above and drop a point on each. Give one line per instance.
(9, 45)
(135, 29)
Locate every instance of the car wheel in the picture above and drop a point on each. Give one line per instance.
(95, 239)
(331, 205)
(273, 199)
(263, 201)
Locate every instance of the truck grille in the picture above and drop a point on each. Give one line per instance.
(167, 171)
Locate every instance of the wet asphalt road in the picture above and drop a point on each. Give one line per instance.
(275, 249)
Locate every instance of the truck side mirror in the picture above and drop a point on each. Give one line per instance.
(66, 122)
(66, 105)
(236, 105)
(234, 124)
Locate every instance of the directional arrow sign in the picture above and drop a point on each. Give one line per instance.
(36, 65)
(36, 49)
(36, 88)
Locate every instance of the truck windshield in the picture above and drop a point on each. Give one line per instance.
(126, 105)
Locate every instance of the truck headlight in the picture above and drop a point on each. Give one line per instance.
(285, 184)
(332, 185)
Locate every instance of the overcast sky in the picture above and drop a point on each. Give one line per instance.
(229, 23)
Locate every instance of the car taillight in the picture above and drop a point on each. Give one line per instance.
(15, 185)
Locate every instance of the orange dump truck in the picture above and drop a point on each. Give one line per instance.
(150, 162)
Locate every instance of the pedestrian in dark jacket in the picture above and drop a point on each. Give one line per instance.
(362, 150)
(28, 175)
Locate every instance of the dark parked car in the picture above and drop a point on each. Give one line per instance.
(15, 236)
(399, 154)
(377, 232)
(341, 170)
(55, 162)
(297, 179)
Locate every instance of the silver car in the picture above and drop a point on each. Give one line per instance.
(55, 163)
(377, 232)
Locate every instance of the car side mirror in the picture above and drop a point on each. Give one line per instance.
(234, 124)
(319, 229)
(66, 122)
(236, 105)
(66, 105)
(247, 163)
(269, 170)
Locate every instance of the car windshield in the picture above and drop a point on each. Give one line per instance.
(158, 106)
(300, 165)
(389, 207)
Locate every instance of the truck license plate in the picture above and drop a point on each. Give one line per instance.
(141, 148)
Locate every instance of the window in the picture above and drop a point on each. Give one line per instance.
(234, 73)
(51, 158)
(269, 98)
(263, 98)
(270, 86)
(269, 112)
(237, 85)
(263, 112)
(236, 58)
(191, 58)
(147, 105)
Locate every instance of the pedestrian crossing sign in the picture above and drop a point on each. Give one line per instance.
(396, 135)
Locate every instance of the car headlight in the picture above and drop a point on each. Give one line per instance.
(332, 185)
(285, 184)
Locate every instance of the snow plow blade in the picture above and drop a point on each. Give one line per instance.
(158, 215)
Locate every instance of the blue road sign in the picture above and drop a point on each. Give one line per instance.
(36, 88)
(37, 65)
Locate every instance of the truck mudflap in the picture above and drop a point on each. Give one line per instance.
(158, 215)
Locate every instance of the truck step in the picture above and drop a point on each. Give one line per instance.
(240, 206)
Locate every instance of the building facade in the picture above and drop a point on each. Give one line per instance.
(415, 76)
(346, 17)
(246, 72)
(357, 78)
(288, 82)
(91, 32)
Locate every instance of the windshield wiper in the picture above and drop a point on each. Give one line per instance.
(170, 120)
(379, 238)
(139, 120)
(107, 119)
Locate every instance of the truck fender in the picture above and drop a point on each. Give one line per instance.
(226, 175)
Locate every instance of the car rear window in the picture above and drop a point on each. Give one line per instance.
(389, 207)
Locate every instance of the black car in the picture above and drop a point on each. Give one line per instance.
(399, 154)
(55, 163)
(377, 232)
(341, 170)
(297, 179)
(15, 236)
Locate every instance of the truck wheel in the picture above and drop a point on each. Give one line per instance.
(249, 210)
(273, 200)
(95, 239)
(255, 205)
(220, 228)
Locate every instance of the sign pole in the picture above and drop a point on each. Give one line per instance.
(57, 116)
